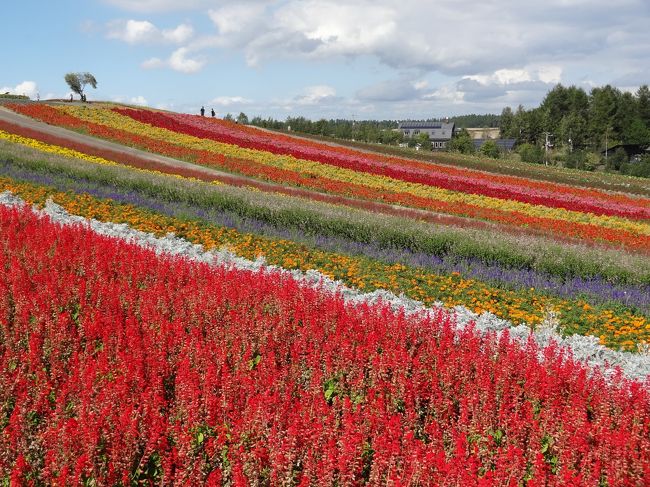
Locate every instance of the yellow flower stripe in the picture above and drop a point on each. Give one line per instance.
(65, 152)
(615, 328)
(115, 120)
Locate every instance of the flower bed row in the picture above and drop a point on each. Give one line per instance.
(561, 222)
(120, 366)
(501, 187)
(54, 144)
(516, 249)
(305, 169)
(336, 229)
(617, 328)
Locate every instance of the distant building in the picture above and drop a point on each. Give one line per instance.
(439, 132)
(484, 133)
(632, 151)
(504, 145)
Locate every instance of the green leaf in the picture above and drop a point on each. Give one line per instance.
(252, 363)
(330, 390)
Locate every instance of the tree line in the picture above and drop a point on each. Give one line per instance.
(578, 126)
(605, 117)
(373, 131)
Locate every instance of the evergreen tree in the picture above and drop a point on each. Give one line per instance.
(506, 124)
(603, 104)
(643, 104)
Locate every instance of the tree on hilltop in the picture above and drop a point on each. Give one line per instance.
(242, 118)
(78, 81)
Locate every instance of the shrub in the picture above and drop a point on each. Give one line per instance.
(531, 153)
(9, 96)
(490, 149)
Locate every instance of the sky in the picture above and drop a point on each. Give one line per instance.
(353, 59)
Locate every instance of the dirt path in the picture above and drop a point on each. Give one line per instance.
(138, 158)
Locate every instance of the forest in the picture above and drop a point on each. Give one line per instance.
(585, 130)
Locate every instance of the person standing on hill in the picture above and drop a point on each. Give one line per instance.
(212, 113)
(203, 111)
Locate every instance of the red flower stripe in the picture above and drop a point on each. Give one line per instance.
(119, 366)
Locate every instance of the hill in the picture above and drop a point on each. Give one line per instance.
(358, 304)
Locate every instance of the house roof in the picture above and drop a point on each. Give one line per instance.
(629, 148)
(426, 125)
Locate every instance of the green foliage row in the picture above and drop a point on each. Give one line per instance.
(362, 226)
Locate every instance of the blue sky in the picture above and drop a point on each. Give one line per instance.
(326, 58)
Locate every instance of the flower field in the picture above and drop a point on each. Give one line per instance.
(135, 368)
(138, 368)
(316, 175)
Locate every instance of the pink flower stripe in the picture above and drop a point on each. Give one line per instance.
(118, 366)
(474, 182)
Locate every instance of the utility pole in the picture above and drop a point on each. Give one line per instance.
(547, 144)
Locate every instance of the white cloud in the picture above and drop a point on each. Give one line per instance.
(178, 61)
(180, 34)
(132, 31)
(504, 77)
(313, 95)
(232, 19)
(150, 6)
(550, 74)
(226, 101)
(28, 88)
(153, 63)
(440, 36)
(138, 100)
(88, 26)
(133, 100)
(420, 85)
(143, 31)
(473, 55)
(339, 27)
(312, 28)
(493, 91)
(448, 94)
